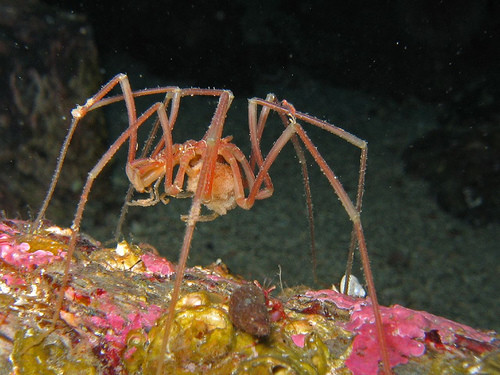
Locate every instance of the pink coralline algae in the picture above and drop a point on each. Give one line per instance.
(12, 279)
(113, 324)
(22, 255)
(401, 333)
(157, 265)
(299, 339)
(405, 332)
(118, 326)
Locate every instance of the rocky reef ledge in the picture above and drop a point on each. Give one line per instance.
(115, 305)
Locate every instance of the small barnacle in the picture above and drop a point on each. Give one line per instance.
(248, 310)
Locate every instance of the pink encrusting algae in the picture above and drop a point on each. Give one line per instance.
(118, 327)
(23, 254)
(405, 331)
(157, 264)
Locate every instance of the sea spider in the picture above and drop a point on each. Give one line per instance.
(213, 171)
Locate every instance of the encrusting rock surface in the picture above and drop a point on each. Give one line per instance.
(115, 304)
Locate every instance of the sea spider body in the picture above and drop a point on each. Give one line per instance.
(220, 197)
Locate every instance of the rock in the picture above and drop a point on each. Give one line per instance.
(48, 64)
(115, 306)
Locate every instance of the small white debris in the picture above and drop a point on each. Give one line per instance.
(66, 232)
(4, 289)
(122, 248)
(34, 291)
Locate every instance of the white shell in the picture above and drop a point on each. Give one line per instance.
(355, 287)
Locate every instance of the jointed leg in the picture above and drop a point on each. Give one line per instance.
(212, 137)
(78, 113)
(256, 128)
(354, 215)
(285, 109)
(359, 199)
(353, 211)
(145, 150)
(132, 129)
(130, 190)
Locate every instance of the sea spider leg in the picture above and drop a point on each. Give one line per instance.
(212, 139)
(130, 191)
(78, 113)
(256, 129)
(295, 128)
(75, 227)
(130, 134)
